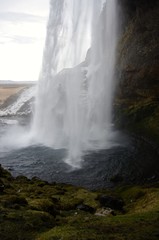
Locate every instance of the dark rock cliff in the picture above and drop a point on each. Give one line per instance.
(137, 95)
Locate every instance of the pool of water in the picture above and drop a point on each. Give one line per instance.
(132, 160)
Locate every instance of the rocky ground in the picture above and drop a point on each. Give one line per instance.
(34, 209)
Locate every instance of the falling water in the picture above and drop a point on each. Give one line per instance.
(73, 107)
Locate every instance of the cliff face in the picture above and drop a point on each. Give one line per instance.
(137, 96)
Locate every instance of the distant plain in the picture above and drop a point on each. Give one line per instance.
(9, 88)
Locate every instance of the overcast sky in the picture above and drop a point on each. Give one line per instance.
(22, 36)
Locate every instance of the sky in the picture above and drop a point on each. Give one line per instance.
(22, 38)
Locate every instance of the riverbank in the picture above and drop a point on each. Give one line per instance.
(35, 209)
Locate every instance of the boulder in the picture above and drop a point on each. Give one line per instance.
(111, 202)
(85, 208)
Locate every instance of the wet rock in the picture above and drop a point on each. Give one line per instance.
(111, 202)
(1, 186)
(85, 208)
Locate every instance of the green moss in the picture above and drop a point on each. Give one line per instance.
(33, 209)
(13, 201)
(37, 220)
(4, 173)
(140, 199)
(15, 223)
(132, 193)
(89, 198)
(45, 205)
(134, 226)
(72, 199)
(140, 117)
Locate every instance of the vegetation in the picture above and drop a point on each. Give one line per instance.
(35, 209)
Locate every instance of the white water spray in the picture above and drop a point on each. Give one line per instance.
(73, 108)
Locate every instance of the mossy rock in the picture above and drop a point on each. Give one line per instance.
(45, 205)
(22, 179)
(14, 201)
(5, 174)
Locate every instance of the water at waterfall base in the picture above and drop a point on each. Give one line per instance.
(131, 160)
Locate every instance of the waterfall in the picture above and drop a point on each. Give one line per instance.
(74, 98)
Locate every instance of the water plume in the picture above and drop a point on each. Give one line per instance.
(74, 99)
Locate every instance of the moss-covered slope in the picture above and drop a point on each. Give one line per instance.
(34, 209)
